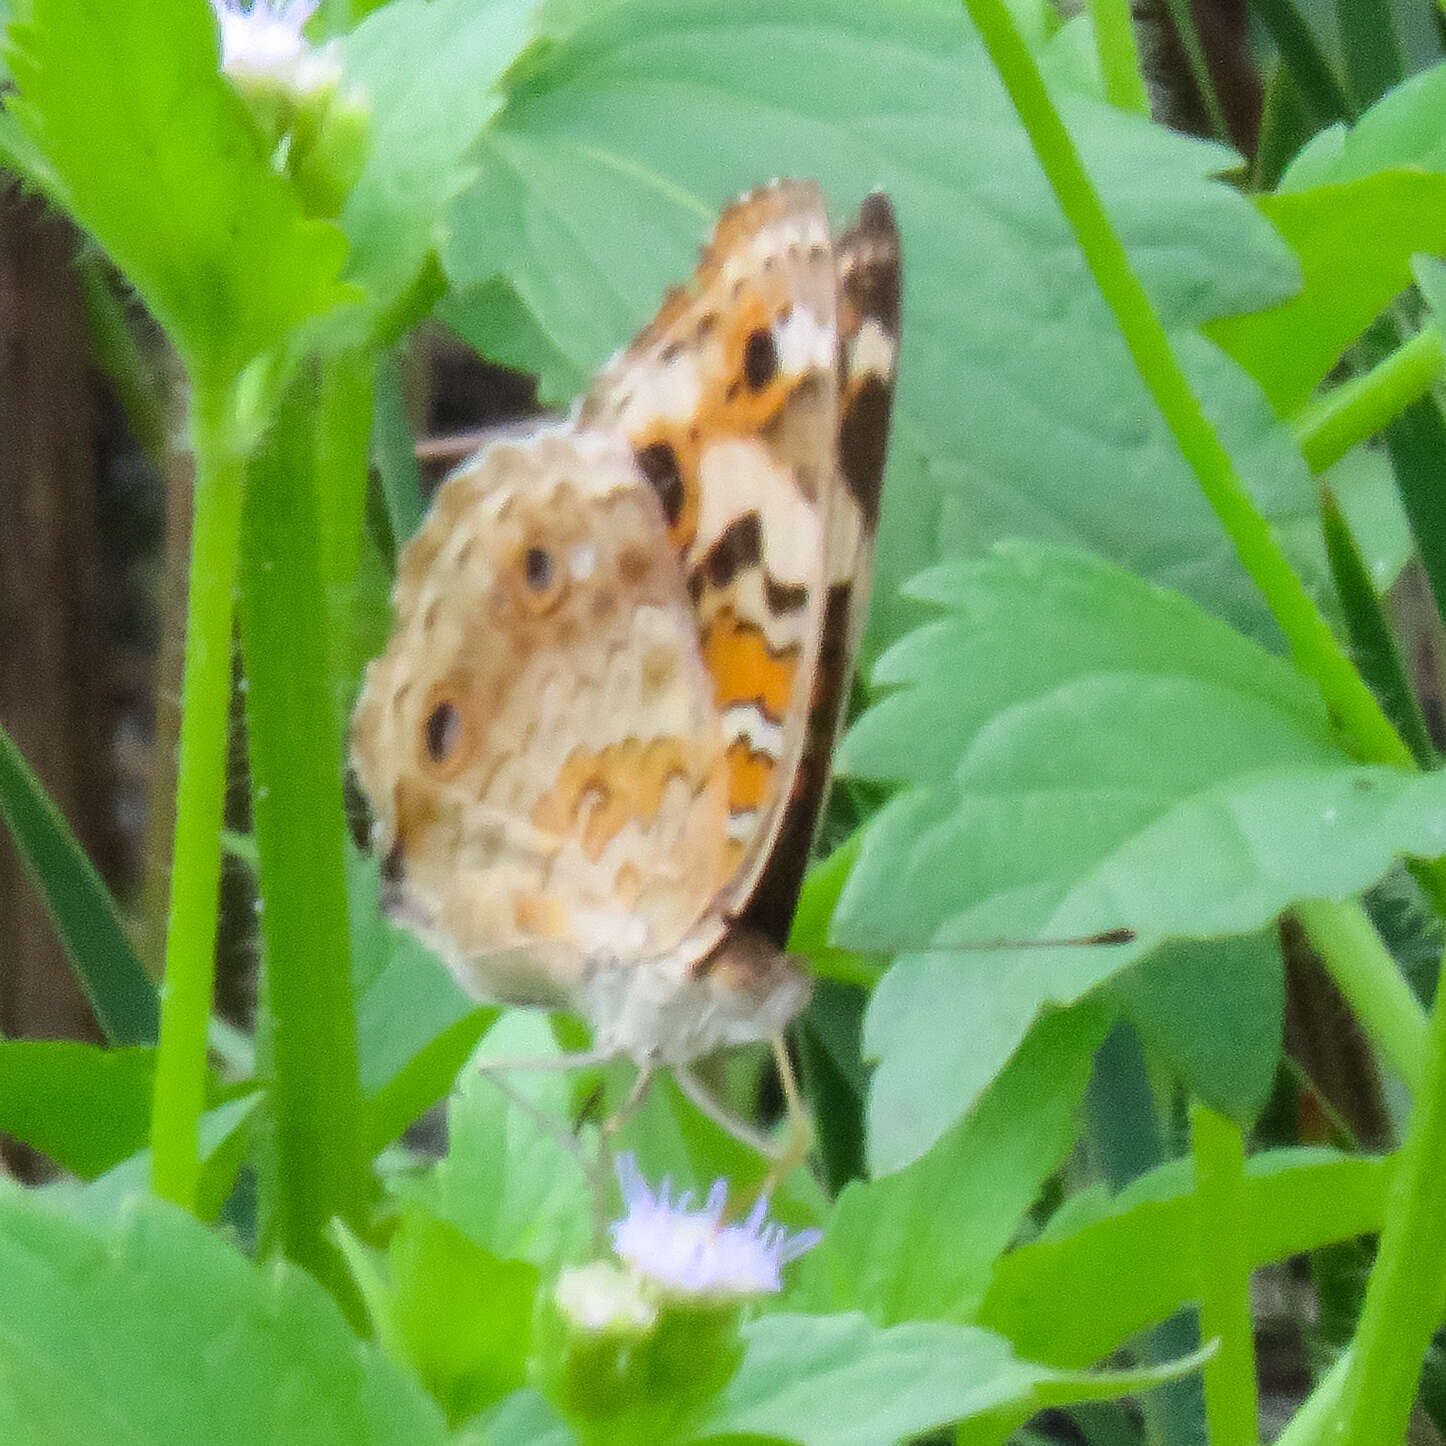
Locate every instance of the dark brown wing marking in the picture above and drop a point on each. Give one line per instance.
(869, 329)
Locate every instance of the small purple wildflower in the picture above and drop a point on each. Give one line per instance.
(691, 1252)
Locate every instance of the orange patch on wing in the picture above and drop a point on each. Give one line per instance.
(628, 885)
(541, 914)
(744, 670)
(750, 775)
(596, 794)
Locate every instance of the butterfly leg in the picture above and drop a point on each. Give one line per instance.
(548, 1063)
(800, 1126)
(710, 1105)
(799, 1139)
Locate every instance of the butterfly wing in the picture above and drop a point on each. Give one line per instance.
(868, 272)
(539, 741)
(600, 735)
(757, 406)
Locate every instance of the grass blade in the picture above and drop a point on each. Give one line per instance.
(119, 989)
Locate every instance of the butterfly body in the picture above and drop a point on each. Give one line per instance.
(597, 744)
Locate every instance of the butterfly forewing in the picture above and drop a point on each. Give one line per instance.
(868, 277)
(736, 402)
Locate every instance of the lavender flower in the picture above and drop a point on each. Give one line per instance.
(691, 1252)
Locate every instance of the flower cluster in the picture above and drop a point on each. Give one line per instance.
(679, 1253)
(265, 39)
(314, 125)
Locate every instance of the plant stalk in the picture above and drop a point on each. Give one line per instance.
(1407, 1291)
(1124, 1138)
(200, 798)
(1119, 60)
(1231, 1404)
(297, 806)
(1359, 408)
(1404, 1297)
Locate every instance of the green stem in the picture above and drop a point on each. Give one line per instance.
(1231, 1406)
(1119, 60)
(200, 797)
(1404, 1300)
(1359, 408)
(295, 751)
(1316, 650)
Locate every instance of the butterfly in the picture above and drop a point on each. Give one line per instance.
(598, 742)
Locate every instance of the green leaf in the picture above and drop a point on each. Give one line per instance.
(495, 322)
(842, 1381)
(1119, 760)
(415, 1026)
(603, 172)
(430, 72)
(1213, 1008)
(1372, 637)
(828, 1037)
(1355, 241)
(1364, 485)
(505, 1182)
(87, 1108)
(462, 1316)
(153, 152)
(1136, 1260)
(118, 987)
(524, 1419)
(1430, 276)
(152, 1329)
(1406, 127)
(921, 1244)
(224, 1136)
(822, 888)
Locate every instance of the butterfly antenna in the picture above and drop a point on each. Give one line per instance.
(707, 1103)
(1104, 939)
